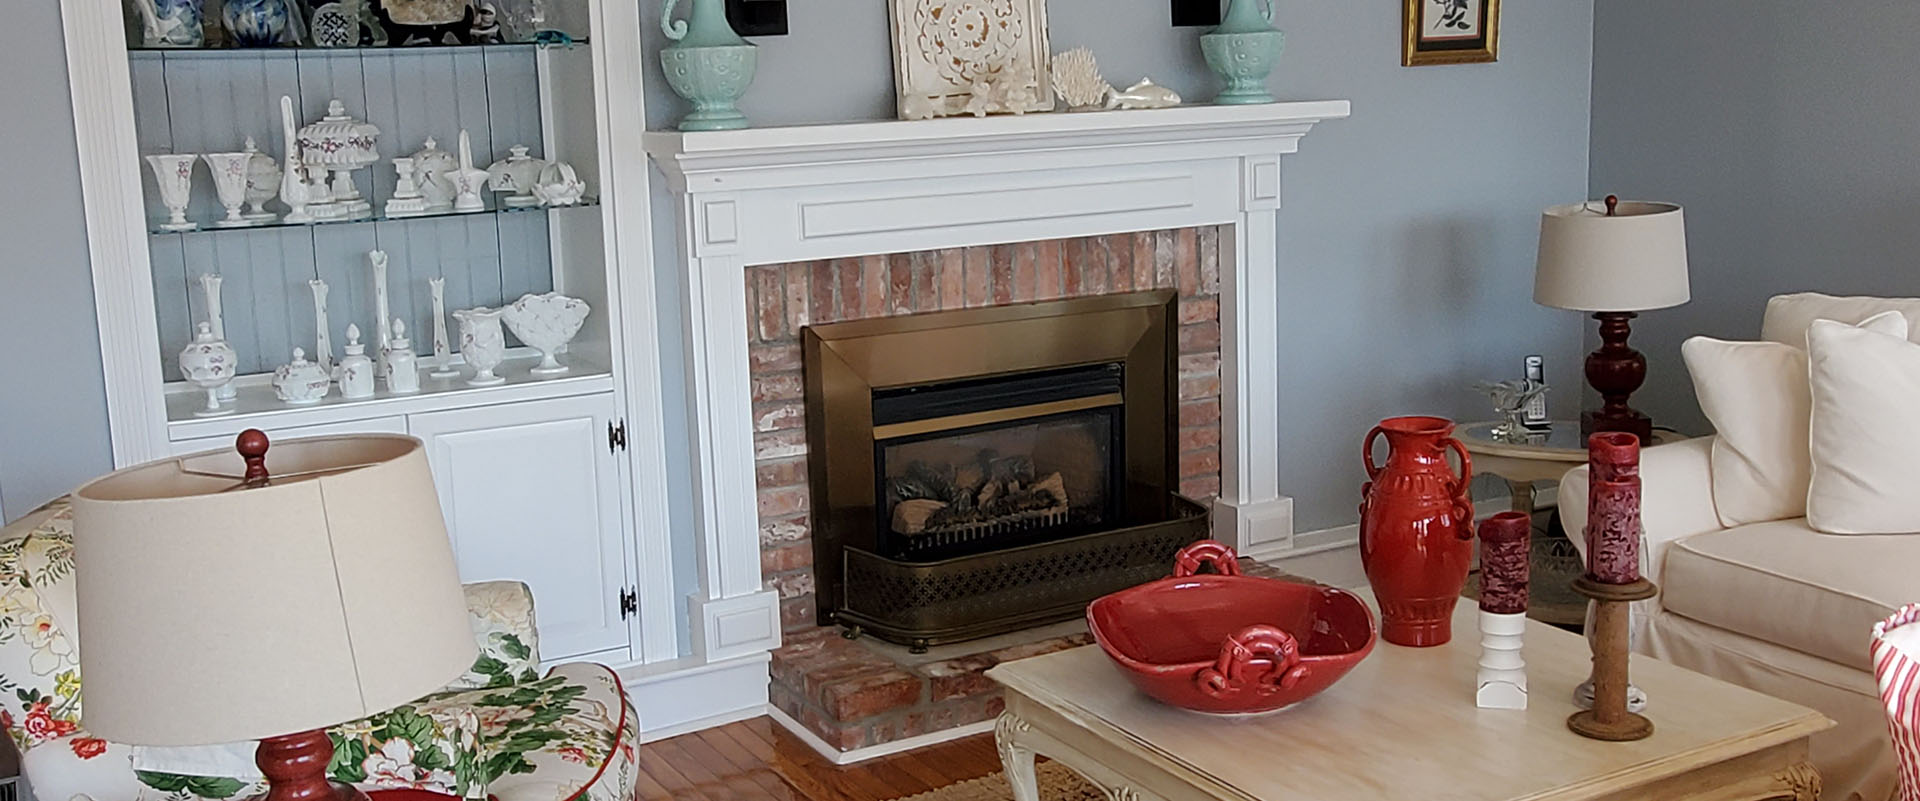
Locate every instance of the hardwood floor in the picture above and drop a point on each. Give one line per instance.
(757, 760)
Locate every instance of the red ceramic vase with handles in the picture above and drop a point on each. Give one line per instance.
(1416, 528)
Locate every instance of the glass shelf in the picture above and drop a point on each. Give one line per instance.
(218, 52)
(208, 228)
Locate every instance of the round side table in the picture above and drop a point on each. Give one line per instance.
(1543, 457)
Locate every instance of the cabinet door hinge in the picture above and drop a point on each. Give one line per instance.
(629, 603)
(617, 435)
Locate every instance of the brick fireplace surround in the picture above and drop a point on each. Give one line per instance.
(852, 696)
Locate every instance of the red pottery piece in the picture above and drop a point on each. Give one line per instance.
(1416, 529)
(1224, 643)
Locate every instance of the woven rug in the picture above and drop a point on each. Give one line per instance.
(1057, 783)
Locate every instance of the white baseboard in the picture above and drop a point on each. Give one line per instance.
(682, 696)
(839, 757)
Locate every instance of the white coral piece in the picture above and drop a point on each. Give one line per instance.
(1076, 79)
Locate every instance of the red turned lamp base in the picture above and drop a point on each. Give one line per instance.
(1615, 370)
(296, 769)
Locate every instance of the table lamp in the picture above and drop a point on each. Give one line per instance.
(1613, 259)
(219, 604)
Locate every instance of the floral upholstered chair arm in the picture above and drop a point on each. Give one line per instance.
(501, 613)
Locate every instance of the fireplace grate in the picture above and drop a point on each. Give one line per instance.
(983, 594)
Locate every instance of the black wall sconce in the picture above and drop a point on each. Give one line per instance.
(1192, 13)
(763, 17)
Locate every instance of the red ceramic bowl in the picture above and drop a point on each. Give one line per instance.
(1231, 644)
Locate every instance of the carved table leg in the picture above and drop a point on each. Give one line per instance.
(1016, 759)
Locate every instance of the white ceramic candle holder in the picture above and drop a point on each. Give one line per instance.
(1501, 682)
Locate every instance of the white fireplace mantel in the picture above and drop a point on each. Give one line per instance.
(771, 195)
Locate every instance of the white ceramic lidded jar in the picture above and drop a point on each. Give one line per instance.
(356, 370)
(403, 368)
(301, 382)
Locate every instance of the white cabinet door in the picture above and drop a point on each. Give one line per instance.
(530, 492)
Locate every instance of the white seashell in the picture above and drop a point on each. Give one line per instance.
(1076, 79)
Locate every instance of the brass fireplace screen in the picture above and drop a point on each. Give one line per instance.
(983, 470)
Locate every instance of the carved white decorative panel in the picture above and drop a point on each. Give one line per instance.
(941, 48)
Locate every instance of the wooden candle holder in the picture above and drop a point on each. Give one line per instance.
(1609, 719)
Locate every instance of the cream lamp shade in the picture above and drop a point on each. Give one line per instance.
(211, 613)
(1633, 260)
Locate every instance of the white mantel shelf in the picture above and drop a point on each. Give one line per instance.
(742, 159)
(802, 193)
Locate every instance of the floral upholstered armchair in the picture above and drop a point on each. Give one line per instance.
(501, 731)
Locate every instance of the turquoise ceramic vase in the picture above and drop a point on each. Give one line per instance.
(708, 64)
(1242, 50)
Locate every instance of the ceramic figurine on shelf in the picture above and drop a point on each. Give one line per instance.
(428, 22)
(307, 198)
(324, 345)
(1242, 51)
(1145, 94)
(356, 370)
(708, 64)
(382, 334)
(171, 23)
(230, 185)
(341, 144)
(301, 382)
(483, 343)
(559, 185)
(403, 367)
(260, 23)
(431, 166)
(1077, 81)
(442, 349)
(467, 180)
(173, 174)
(263, 184)
(407, 200)
(516, 174)
(546, 323)
(216, 318)
(208, 363)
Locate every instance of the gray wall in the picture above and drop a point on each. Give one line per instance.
(53, 411)
(1789, 135)
(1409, 233)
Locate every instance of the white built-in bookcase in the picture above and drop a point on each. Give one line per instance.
(547, 481)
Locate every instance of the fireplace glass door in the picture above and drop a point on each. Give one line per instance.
(986, 464)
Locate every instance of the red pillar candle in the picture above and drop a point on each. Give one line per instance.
(1504, 543)
(1613, 508)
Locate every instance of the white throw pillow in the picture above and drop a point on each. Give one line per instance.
(1865, 431)
(1757, 397)
(1788, 316)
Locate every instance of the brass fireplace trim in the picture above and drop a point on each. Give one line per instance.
(845, 363)
(958, 421)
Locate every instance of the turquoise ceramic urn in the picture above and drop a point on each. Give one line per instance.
(1242, 50)
(708, 64)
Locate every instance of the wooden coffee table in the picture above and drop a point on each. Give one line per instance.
(1403, 726)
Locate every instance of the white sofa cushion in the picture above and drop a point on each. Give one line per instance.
(1865, 431)
(1757, 397)
(1784, 583)
(1789, 316)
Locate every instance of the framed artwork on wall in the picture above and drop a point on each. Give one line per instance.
(1450, 32)
(945, 52)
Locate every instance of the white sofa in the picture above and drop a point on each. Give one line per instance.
(1776, 606)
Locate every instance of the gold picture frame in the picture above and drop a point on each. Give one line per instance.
(1450, 32)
